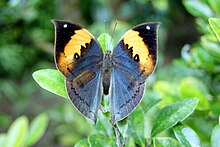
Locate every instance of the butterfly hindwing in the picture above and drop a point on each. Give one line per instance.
(126, 94)
(134, 58)
(78, 56)
(85, 92)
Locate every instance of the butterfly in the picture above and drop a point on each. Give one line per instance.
(120, 74)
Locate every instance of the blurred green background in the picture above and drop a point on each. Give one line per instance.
(189, 57)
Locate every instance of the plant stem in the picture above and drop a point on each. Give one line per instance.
(117, 135)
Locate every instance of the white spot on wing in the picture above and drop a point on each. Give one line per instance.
(148, 27)
(65, 26)
(135, 57)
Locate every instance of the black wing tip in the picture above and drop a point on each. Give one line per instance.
(60, 23)
(156, 23)
(59, 20)
(151, 26)
(56, 21)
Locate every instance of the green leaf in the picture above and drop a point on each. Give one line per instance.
(4, 119)
(215, 25)
(17, 132)
(162, 5)
(97, 140)
(212, 47)
(192, 87)
(123, 127)
(106, 42)
(215, 6)
(103, 125)
(2, 139)
(186, 136)
(215, 138)
(202, 126)
(51, 80)
(151, 104)
(198, 8)
(215, 107)
(37, 129)
(82, 143)
(201, 58)
(210, 37)
(149, 100)
(166, 90)
(136, 126)
(166, 142)
(172, 114)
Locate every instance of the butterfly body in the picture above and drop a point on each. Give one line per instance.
(121, 74)
(107, 71)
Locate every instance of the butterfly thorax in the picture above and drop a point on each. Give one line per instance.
(106, 71)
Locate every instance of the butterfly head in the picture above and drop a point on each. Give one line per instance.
(107, 54)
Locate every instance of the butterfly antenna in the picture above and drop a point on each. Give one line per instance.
(113, 31)
(106, 27)
(106, 31)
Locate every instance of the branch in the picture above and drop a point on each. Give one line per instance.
(117, 135)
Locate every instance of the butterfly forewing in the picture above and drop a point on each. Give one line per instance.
(134, 58)
(78, 56)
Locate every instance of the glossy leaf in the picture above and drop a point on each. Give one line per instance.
(149, 100)
(123, 127)
(186, 136)
(215, 5)
(215, 25)
(203, 127)
(3, 138)
(51, 80)
(198, 8)
(17, 132)
(97, 140)
(215, 138)
(82, 143)
(103, 125)
(192, 87)
(212, 47)
(136, 126)
(166, 90)
(37, 129)
(215, 107)
(201, 58)
(106, 42)
(172, 114)
(166, 142)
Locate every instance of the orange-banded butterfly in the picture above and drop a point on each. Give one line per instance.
(90, 73)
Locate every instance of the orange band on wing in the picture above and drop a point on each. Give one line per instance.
(66, 60)
(80, 38)
(136, 43)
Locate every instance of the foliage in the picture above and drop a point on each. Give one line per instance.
(167, 117)
(198, 73)
(21, 134)
(51, 80)
(215, 25)
(181, 105)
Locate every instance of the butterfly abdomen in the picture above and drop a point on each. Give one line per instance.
(106, 71)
